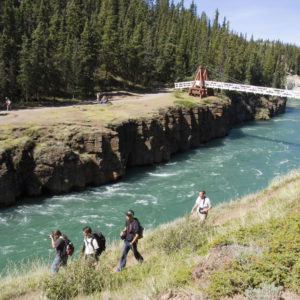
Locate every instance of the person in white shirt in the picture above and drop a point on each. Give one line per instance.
(202, 205)
(90, 246)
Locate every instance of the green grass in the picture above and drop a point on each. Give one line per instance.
(186, 104)
(265, 225)
(276, 264)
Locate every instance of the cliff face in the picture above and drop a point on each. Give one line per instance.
(59, 163)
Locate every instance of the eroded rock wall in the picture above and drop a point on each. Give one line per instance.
(90, 157)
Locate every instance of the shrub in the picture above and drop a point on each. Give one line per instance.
(189, 234)
(77, 278)
(265, 292)
(262, 114)
(277, 263)
(295, 282)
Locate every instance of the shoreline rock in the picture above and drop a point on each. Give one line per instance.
(60, 163)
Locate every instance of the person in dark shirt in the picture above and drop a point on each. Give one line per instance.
(60, 246)
(130, 234)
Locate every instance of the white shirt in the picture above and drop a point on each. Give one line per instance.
(89, 249)
(203, 203)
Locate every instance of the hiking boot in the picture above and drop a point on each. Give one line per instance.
(118, 269)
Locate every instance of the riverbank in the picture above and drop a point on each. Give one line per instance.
(246, 247)
(69, 148)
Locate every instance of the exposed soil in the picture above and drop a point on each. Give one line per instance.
(121, 105)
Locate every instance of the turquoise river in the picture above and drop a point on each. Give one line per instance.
(243, 162)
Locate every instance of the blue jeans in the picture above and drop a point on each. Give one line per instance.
(126, 247)
(58, 261)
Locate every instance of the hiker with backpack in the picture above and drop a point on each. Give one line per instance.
(94, 245)
(59, 244)
(69, 245)
(203, 205)
(130, 234)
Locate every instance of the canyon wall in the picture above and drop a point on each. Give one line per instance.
(74, 158)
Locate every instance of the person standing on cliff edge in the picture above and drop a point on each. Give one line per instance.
(130, 234)
(203, 205)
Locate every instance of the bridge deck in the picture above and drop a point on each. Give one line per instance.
(242, 88)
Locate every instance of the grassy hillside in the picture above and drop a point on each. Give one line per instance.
(248, 247)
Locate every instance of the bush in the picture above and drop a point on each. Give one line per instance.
(188, 234)
(77, 278)
(278, 262)
(265, 292)
(295, 282)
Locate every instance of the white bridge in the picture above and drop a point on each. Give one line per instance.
(241, 88)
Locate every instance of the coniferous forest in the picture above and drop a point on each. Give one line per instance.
(71, 48)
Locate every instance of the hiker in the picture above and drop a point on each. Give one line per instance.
(130, 235)
(98, 96)
(94, 245)
(8, 104)
(69, 245)
(61, 257)
(203, 206)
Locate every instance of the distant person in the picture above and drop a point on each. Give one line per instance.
(61, 257)
(202, 205)
(8, 104)
(104, 99)
(130, 234)
(98, 96)
(91, 246)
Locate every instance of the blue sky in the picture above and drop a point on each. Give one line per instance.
(266, 19)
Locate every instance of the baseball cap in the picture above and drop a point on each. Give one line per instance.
(130, 212)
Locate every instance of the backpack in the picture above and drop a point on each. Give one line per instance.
(141, 229)
(100, 240)
(69, 247)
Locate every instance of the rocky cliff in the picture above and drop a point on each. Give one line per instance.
(48, 161)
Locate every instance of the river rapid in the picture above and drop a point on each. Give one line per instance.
(243, 162)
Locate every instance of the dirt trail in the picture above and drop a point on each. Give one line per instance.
(122, 103)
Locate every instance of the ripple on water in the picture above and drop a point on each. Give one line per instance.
(283, 162)
(171, 164)
(259, 172)
(7, 249)
(143, 202)
(110, 190)
(214, 174)
(91, 216)
(4, 222)
(162, 174)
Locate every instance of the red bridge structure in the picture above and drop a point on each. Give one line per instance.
(198, 88)
(203, 87)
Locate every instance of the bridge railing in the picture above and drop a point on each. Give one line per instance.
(242, 88)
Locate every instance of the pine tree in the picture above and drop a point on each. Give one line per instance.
(109, 53)
(25, 78)
(268, 65)
(87, 60)
(9, 38)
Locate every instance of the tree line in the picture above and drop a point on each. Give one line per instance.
(63, 48)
